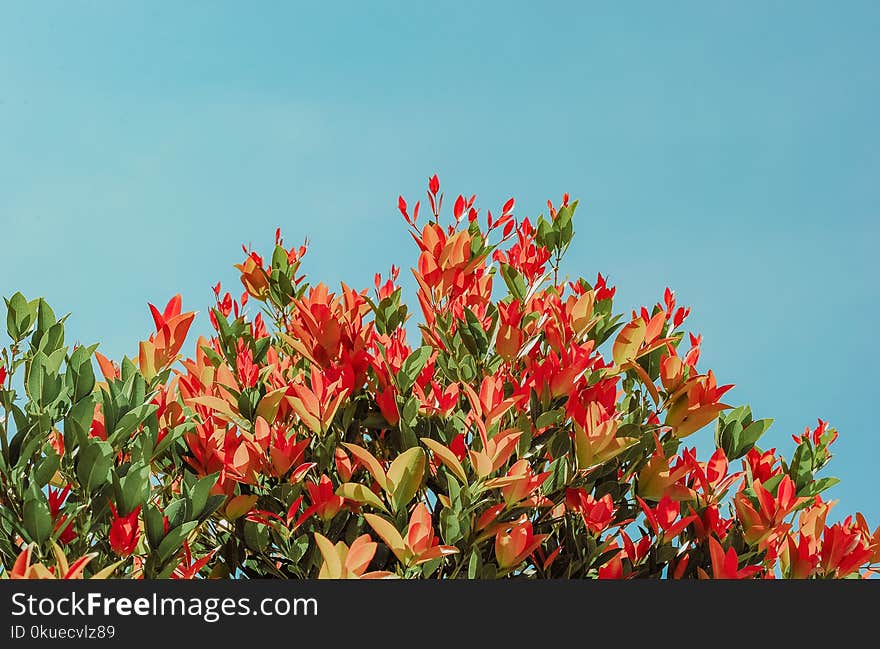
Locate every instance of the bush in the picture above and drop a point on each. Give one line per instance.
(531, 432)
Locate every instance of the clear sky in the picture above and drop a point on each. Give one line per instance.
(728, 150)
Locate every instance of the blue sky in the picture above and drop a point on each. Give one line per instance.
(728, 150)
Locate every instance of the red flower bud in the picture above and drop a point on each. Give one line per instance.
(124, 532)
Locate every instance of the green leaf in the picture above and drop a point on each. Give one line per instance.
(473, 336)
(82, 373)
(47, 467)
(43, 384)
(727, 435)
(256, 536)
(475, 564)
(50, 341)
(558, 477)
(408, 419)
(280, 259)
(175, 512)
(20, 316)
(18, 441)
(51, 383)
(524, 444)
(49, 334)
(514, 281)
(36, 376)
(135, 488)
(143, 444)
(155, 524)
(129, 422)
(45, 316)
(171, 436)
(453, 527)
(36, 517)
(410, 411)
(412, 367)
(173, 541)
(298, 548)
(77, 423)
(772, 483)
(817, 486)
(549, 418)
(801, 468)
(750, 437)
(94, 464)
(546, 236)
(563, 224)
(109, 407)
(735, 432)
(198, 495)
(457, 496)
(214, 503)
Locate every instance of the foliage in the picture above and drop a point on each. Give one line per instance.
(530, 432)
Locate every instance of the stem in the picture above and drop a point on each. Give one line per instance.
(458, 567)
(3, 438)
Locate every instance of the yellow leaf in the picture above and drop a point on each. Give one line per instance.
(58, 480)
(628, 341)
(330, 411)
(582, 313)
(60, 558)
(239, 506)
(657, 344)
(307, 418)
(503, 481)
(360, 494)
(371, 463)
(332, 568)
(405, 476)
(449, 459)
(146, 359)
(683, 388)
(216, 404)
(686, 422)
(39, 571)
(389, 534)
(219, 571)
(482, 463)
(106, 572)
(583, 449)
(297, 346)
(268, 406)
(601, 445)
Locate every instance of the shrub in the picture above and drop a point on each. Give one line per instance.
(530, 432)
